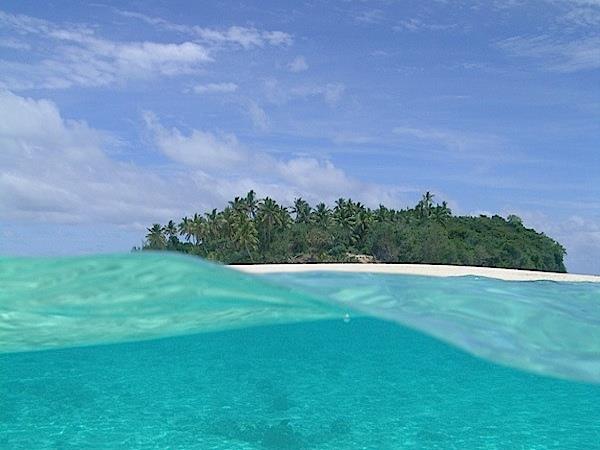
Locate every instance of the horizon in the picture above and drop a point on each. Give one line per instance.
(117, 115)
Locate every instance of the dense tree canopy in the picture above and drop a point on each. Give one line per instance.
(250, 230)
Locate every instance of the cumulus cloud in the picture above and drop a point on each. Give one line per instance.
(220, 88)
(58, 170)
(282, 178)
(201, 149)
(299, 64)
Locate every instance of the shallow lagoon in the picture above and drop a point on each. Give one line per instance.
(331, 384)
(271, 383)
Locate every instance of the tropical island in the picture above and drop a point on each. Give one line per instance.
(261, 231)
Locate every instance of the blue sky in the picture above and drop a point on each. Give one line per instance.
(114, 115)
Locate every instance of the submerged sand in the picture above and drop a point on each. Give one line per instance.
(420, 269)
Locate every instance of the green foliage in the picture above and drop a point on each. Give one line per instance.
(251, 230)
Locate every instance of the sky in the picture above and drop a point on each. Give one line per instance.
(115, 115)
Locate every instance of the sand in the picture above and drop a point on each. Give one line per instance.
(421, 269)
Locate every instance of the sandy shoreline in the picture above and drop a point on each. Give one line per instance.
(420, 269)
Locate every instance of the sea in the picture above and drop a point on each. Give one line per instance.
(163, 351)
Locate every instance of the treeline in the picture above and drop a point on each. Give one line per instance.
(252, 230)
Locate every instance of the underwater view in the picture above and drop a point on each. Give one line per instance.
(162, 351)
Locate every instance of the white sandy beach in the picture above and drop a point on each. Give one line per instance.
(420, 269)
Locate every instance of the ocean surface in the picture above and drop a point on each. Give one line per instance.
(163, 351)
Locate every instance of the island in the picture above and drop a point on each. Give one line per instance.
(250, 230)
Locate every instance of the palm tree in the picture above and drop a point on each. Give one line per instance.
(344, 217)
(363, 219)
(382, 214)
(198, 228)
(269, 217)
(302, 210)
(251, 203)
(425, 205)
(245, 235)
(213, 221)
(441, 213)
(321, 215)
(170, 231)
(155, 238)
(185, 228)
(340, 203)
(239, 206)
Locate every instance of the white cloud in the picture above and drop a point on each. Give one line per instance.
(62, 57)
(77, 57)
(223, 157)
(258, 116)
(414, 25)
(14, 44)
(309, 174)
(56, 170)
(243, 36)
(556, 54)
(460, 141)
(221, 88)
(331, 93)
(370, 16)
(246, 37)
(200, 149)
(298, 65)
(583, 17)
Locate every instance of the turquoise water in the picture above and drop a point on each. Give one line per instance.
(161, 351)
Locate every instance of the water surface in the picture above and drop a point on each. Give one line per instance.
(161, 351)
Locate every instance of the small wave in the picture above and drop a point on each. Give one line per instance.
(551, 328)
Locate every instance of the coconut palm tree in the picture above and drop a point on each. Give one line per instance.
(213, 222)
(425, 205)
(251, 203)
(321, 215)
(363, 220)
(245, 235)
(269, 217)
(239, 206)
(185, 228)
(198, 228)
(155, 238)
(302, 210)
(344, 217)
(170, 231)
(382, 214)
(441, 213)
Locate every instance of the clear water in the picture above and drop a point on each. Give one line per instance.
(160, 351)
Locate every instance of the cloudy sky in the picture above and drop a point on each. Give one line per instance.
(114, 115)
